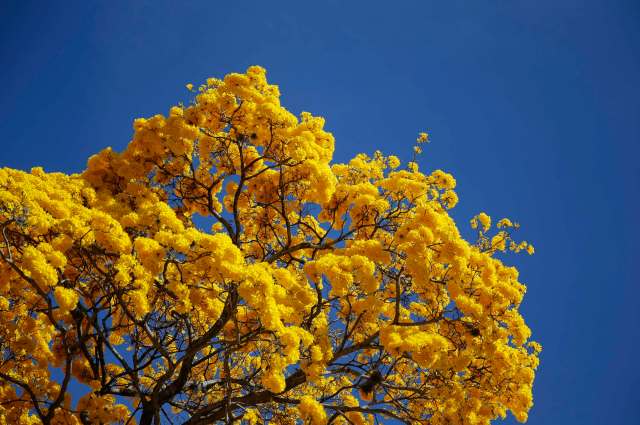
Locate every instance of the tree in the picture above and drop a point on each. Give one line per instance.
(323, 293)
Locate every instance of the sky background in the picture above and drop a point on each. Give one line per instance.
(533, 106)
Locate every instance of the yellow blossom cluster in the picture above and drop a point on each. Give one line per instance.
(312, 411)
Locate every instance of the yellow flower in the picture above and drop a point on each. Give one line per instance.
(483, 219)
(423, 137)
(311, 410)
(66, 298)
(393, 161)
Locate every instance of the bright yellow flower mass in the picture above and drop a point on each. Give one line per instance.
(327, 292)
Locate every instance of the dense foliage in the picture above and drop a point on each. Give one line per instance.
(221, 268)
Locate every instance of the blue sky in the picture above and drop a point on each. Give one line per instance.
(533, 106)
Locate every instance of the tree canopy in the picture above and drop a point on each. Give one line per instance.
(222, 269)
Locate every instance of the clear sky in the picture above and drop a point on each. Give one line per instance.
(534, 107)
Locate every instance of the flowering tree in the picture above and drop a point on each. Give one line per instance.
(221, 269)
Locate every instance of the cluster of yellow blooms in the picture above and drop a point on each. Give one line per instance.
(315, 281)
